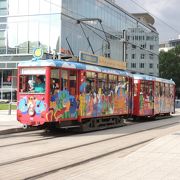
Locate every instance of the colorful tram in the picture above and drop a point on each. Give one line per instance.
(153, 96)
(86, 96)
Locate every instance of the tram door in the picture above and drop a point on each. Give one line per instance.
(63, 99)
(68, 94)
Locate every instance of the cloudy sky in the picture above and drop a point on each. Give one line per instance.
(165, 10)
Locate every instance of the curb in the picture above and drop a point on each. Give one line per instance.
(17, 130)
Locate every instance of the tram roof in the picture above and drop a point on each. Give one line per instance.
(152, 78)
(72, 65)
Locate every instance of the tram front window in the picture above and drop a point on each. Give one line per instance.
(32, 84)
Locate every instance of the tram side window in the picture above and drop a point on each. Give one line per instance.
(64, 80)
(142, 88)
(91, 80)
(157, 89)
(162, 89)
(135, 88)
(146, 90)
(23, 84)
(102, 83)
(73, 81)
(167, 90)
(32, 83)
(112, 83)
(171, 91)
(55, 80)
(150, 90)
(123, 83)
(126, 84)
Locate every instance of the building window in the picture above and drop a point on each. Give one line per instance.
(3, 5)
(149, 38)
(141, 65)
(107, 55)
(2, 34)
(133, 65)
(151, 47)
(151, 65)
(143, 46)
(2, 42)
(142, 56)
(133, 56)
(151, 56)
(126, 56)
(133, 46)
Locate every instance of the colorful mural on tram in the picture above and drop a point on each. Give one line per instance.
(74, 94)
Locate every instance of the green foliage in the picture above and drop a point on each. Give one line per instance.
(169, 65)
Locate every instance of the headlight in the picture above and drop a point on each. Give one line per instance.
(31, 112)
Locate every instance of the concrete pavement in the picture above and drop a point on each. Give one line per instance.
(159, 159)
(8, 123)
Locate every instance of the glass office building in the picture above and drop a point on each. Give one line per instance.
(69, 26)
(98, 25)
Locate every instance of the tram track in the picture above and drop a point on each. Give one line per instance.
(86, 161)
(38, 140)
(20, 134)
(56, 135)
(82, 145)
(26, 142)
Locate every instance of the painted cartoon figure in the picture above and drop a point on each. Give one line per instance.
(29, 105)
(63, 105)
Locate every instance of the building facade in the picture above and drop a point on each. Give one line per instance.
(166, 46)
(3, 25)
(67, 27)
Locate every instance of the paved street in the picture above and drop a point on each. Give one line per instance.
(130, 152)
(157, 160)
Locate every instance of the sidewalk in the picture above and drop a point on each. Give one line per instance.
(158, 160)
(9, 123)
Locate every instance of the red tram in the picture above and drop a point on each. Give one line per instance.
(72, 94)
(153, 96)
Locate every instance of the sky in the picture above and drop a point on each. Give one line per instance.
(165, 10)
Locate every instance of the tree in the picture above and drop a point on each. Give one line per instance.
(169, 65)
